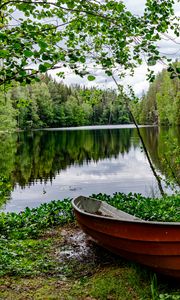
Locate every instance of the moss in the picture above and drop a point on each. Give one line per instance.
(109, 283)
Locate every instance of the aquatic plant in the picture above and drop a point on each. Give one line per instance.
(30, 222)
(166, 209)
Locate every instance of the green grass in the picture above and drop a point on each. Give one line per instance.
(30, 267)
(120, 283)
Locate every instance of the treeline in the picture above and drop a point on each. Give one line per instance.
(161, 104)
(51, 104)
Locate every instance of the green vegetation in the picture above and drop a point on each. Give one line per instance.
(161, 104)
(113, 283)
(5, 189)
(92, 32)
(35, 264)
(40, 155)
(20, 250)
(20, 229)
(102, 32)
(110, 36)
(51, 104)
(44, 276)
(152, 209)
(31, 221)
(7, 114)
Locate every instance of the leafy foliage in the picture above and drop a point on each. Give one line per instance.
(57, 34)
(23, 251)
(5, 189)
(30, 222)
(27, 257)
(51, 104)
(161, 104)
(7, 114)
(152, 209)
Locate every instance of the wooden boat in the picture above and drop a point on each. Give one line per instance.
(154, 244)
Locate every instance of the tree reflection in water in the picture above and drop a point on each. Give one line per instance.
(27, 157)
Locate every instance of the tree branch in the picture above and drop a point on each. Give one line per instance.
(141, 139)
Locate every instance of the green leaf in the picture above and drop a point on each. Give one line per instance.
(109, 73)
(3, 53)
(42, 45)
(28, 53)
(42, 68)
(151, 62)
(82, 59)
(45, 56)
(22, 73)
(91, 77)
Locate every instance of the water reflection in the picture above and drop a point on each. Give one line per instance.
(43, 154)
(46, 165)
(163, 145)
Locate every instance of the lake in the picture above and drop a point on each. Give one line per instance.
(44, 165)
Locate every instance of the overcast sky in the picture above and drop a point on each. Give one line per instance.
(138, 81)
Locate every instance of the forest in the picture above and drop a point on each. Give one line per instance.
(161, 104)
(49, 103)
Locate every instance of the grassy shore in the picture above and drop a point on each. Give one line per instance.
(56, 266)
(45, 255)
(62, 263)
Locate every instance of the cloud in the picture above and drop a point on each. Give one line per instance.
(136, 6)
(138, 81)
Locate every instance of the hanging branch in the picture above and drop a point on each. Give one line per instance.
(126, 99)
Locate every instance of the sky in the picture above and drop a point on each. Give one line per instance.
(138, 81)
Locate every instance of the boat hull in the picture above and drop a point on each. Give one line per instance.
(152, 244)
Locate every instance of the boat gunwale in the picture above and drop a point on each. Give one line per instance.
(118, 219)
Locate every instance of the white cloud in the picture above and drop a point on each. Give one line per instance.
(107, 175)
(138, 81)
(136, 7)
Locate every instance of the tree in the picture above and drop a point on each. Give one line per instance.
(102, 31)
(165, 99)
(7, 114)
(41, 35)
(40, 94)
(33, 105)
(161, 104)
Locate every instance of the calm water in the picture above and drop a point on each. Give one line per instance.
(54, 164)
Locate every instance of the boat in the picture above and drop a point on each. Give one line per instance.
(153, 244)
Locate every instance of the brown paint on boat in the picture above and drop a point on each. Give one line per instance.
(154, 244)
